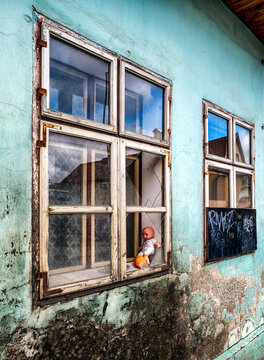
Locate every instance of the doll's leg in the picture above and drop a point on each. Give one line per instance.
(147, 258)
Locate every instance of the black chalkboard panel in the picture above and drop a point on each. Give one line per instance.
(230, 232)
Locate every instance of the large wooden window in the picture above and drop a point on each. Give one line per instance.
(101, 182)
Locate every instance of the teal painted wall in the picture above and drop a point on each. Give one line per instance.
(208, 54)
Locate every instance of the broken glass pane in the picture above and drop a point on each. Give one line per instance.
(144, 178)
(135, 223)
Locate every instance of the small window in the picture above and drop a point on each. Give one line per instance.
(80, 79)
(229, 184)
(144, 106)
(219, 188)
(218, 135)
(243, 144)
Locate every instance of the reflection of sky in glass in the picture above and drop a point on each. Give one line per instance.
(143, 107)
(217, 127)
(78, 82)
(244, 136)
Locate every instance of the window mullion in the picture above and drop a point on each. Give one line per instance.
(122, 209)
(114, 217)
(167, 202)
(44, 203)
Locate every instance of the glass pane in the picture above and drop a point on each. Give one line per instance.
(79, 171)
(242, 145)
(218, 188)
(144, 178)
(243, 190)
(79, 82)
(218, 135)
(79, 247)
(143, 107)
(135, 223)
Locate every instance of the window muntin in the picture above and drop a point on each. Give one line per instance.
(219, 188)
(144, 104)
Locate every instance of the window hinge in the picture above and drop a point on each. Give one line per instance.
(169, 131)
(170, 99)
(253, 173)
(42, 43)
(206, 144)
(206, 173)
(42, 91)
(168, 153)
(205, 116)
(169, 259)
(46, 291)
(43, 142)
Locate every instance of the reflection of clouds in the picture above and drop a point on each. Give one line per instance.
(149, 99)
(244, 137)
(139, 86)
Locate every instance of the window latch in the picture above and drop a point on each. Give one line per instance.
(168, 153)
(42, 91)
(42, 43)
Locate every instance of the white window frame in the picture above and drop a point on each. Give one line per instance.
(246, 172)
(77, 41)
(74, 126)
(135, 70)
(46, 210)
(223, 115)
(230, 165)
(217, 166)
(118, 206)
(249, 127)
(124, 209)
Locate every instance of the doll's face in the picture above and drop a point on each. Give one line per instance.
(147, 233)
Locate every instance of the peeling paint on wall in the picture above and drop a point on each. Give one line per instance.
(200, 310)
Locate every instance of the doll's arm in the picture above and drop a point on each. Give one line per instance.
(157, 244)
(140, 248)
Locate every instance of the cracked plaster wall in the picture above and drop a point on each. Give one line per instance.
(197, 312)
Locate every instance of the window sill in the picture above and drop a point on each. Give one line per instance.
(141, 276)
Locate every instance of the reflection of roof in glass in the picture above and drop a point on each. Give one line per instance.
(218, 147)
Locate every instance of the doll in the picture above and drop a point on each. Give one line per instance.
(148, 247)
